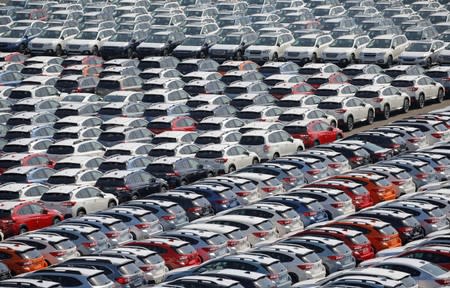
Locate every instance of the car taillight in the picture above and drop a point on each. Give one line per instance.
(398, 182)
(334, 165)
(266, 148)
(310, 213)
(422, 176)
(147, 267)
(433, 220)
(142, 226)
(243, 193)
(440, 168)
(356, 159)
(89, 244)
(25, 263)
(260, 234)
(305, 266)
(412, 88)
(222, 201)
(341, 111)
(268, 189)
(58, 253)
(437, 135)
(405, 229)
(123, 188)
(232, 243)
(183, 258)
(289, 180)
(174, 173)
(221, 160)
(112, 234)
(69, 203)
(385, 238)
(195, 209)
(442, 281)
(414, 140)
(336, 257)
(284, 221)
(123, 280)
(394, 146)
(313, 171)
(169, 217)
(378, 99)
(273, 276)
(338, 204)
(210, 248)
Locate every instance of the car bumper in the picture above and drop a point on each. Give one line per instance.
(412, 61)
(372, 60)
(144, 52)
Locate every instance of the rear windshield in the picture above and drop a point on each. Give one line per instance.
(329, 105)
(291, 117)
(110, 111)
(247, 186)
(110, 182)
(195, 103)
(360, 239)
(66, 165)
(310, 257)
(97, 235)
(241, 102)
(383, 182)
(437, 74)
(185, 249)
(366, 94)
(272, 181)
(117, 226)
(433, 269)
(200, 114)
(149, 217)
(111, 136)
(5, 164)
(209, 126)
(359, 190)
(159, 125)
(153, 259)
(288, 103)
(236, 234)
(276, 268)
(290, 214)
(410, 221)
(295, 129)
(99, 280)
(161, 152)
(159, 140)
(129, 269)
(66, 84)
(30, 254)
(5, 214)
(436, 212)
(8, 195)
(112, 152)
(269, 70)
(153, 98)
(159, 168)
(402, 83)
(64, 245)
(203, 140)
(208, 154)
(155, 112)
(251, 140)
(314, 206)
(15, 148)
(265, 225)
(341, 248)
(326, 92)
(106, 166)
(55, 197)
(360, 82)
(387, 230)
(19, 94)
(61, 179)
(13, 177)
(60, 149)
(248, 115)
(402, 175)
(216, 240)
(426, 169)
(108, 84)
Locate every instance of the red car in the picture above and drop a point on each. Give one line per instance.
(176, 253)
(286, 88)
(360, 245)
(13, 57)
(8, 161)
(17, 217)
(437, 254)
(359, 194)
(326, 78)
(313, 132)
(172, 123)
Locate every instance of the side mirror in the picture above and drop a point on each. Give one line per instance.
(432, 50)
(393, 47)
(330, 128)
(246, 153)
(317, 45)
(243, 44)
(44, 211)
(291, 140)
(101, 195)
(153, 180)
(363, 104)
(278, 44)
(62, 38)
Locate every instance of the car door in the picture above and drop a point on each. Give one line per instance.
(25, 216)
(41, 218)
(198, 171)
(286, 142)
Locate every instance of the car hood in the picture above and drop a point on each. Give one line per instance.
(116, 44)
(188, 48)
(337, 50)
(415, 54)
(224, 47)
(259, 48)
(151, 45)
(10, 40)
(80, 42)
(374, 50)
(300, 49)
(44, 41)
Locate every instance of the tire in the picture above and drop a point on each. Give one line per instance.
(202, 55)
(239, 55)
(386, 112)
(314, 58)
(22, 48)
(134, 197)
(183, 183)
(421, 101)
(133, 236)
(333, 124)
(58, 50)
(300, 149)
(406, 105)
(275, 156)
(316, 143)
(255, 161)
(429, 63)
(111, 204)
(275, 56)
(339, 136)
(95, 51)
(350, 123)
(56, 221)
(231, 169)
(353, 58)
(440, 96)
(23, 230)
(389, 61)
(81, 213)
(294, 278)
(129, 53)
(370, 117)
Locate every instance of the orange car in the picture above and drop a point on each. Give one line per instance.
(381, 234)
(379, 187)
(21, 258)
(236, 65)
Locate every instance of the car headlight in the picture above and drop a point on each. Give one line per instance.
(266, 51)
(381, 54)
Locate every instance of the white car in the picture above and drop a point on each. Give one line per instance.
(88, 41)
(420, 88)
(77, 200)
(384, 49)
(52, 41)
(271, 144)
(259, 112)
(308, 48)
(218, 137)
(213, 123)
(296, 114)
(299, 100)
(22, 191)
(269, 46)
(384, 98)
(75, 176)
(75, 147)
(174, 149)
(226, 158)
(424, 53)
(348, 110)
(345, 49)
(336, 89)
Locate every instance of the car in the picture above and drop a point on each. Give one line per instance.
(78, 162)
(166, 109)
(268, 43)
(172, 123)
(195, 46)
(384, 49)
(52, 41)
(247, 278)
(22, 191)
(308, 48)
(335, 161)
(175, 137)
(113, 83)
(202, 112)
(345, 49)
(232, 46)
(313, 132)
(77, 200)
(348, 110)
(420, 88)
(370, 79)
(17, 38)
(30, 282)
(74, 147)
(424, 53)
(89, 41)
(117, 135)
(27, 174)
(393, 143)
(16, 261)
(122, 44)
(74, 176)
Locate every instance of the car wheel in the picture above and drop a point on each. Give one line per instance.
(275, 156)
(133, 236)
(202, 55)
(255, 161)
(134, 197)
(22, 48)
(349, 124)
(353, 59)
(22, 230)
(390, 60)
(111, 204)
(56, 221)
(429, 63)
(405, 106)
(386, 112)
(370, 116)
(58, 50)
(314, 58)
(95, 51)
(81, 213)
(239, 55)
(130, 53)
(421, 101)
(299, 149)
(210, 174)
(231, 169)
(183, 183)
(294, 278)
(275, 56)
(339, 136)
(333, 124)
(440, 96)
(316, 143)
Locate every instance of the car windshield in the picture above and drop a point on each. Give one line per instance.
(14, 33)
(193, 41)
(305, 42)
(419, 47)
(157, 39)
(192, 30)
(121, 37)
(266, 41)
(230, 40)
(379, 43)
(87, 35)
(50, 34)
(342, 43)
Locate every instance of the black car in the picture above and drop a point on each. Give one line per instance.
(386, 140)
(196, 205)
(130, 184)
(232, 46)
(122, 44)
(179, 170)
(356, 155)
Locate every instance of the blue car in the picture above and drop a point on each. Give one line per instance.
(11, 78)
(122, 44)
(17, 39)
(309, 209)
(220, 197)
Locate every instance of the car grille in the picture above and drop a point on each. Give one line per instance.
(293, 54)
(219, 52)
(38, 45)
(332, 55)
(370, 55)
(255, 52)
(74, 46)
(409, 59)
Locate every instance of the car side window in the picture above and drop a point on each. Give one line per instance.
(25, 210)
